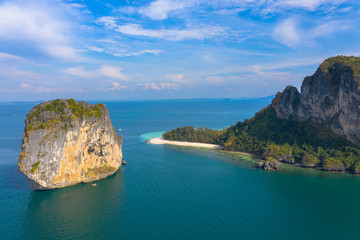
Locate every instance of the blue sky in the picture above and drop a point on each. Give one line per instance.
(118, 50)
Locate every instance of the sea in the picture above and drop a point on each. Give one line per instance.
(174, 192)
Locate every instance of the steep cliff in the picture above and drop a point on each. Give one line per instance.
(330, 96)
(67, 142)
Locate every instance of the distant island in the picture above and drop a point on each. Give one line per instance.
(318, 127)
(68, 142)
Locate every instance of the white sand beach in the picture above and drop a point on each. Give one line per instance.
(178, 143)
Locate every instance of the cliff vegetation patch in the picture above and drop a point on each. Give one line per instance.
(61, 112)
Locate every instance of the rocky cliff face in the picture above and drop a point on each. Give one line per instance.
(330, 96)
(67, 142)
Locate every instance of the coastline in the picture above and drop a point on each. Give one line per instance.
(160, 140)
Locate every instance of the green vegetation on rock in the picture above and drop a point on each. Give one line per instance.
(64, 111)
(342, 63)
(35, 166)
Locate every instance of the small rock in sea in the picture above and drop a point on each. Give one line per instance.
(94, 185)
(260, 164)
(123, 162)
(269, 164)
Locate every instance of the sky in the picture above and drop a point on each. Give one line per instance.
(168, 49)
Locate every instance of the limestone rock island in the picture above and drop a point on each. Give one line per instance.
(68, 142)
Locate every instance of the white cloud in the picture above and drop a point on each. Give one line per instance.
(286, 33)
(13, 72)
(311, 5)
(104, 71)
(271, 6)
(168, 86)
(124, 53)
(258, 70)
(112, 72)
(78, 5)
(328, 28)
(158, 86)
(291, 34)
(162, 9)
(199, 33)
(119, 49)
(159, 9)
(108, 21)
(39, 24)
(96, 49)
(179, 78)
(7, 56)
(117, 86)
(79, 72)
(24, 87)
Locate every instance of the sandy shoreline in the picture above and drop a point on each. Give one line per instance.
(178, 143)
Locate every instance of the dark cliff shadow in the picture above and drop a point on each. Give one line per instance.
(13, 178)
(76, 212)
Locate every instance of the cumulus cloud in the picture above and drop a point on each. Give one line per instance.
(117, 86)
(104, 71)
(39, 24)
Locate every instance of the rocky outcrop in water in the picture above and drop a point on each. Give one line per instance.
(330, 96)
(269, 164)
(67, 142)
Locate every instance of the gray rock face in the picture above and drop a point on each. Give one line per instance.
(268, 164)
(67, 142)
(330, 96)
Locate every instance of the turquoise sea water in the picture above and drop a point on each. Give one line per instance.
(171, 192)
